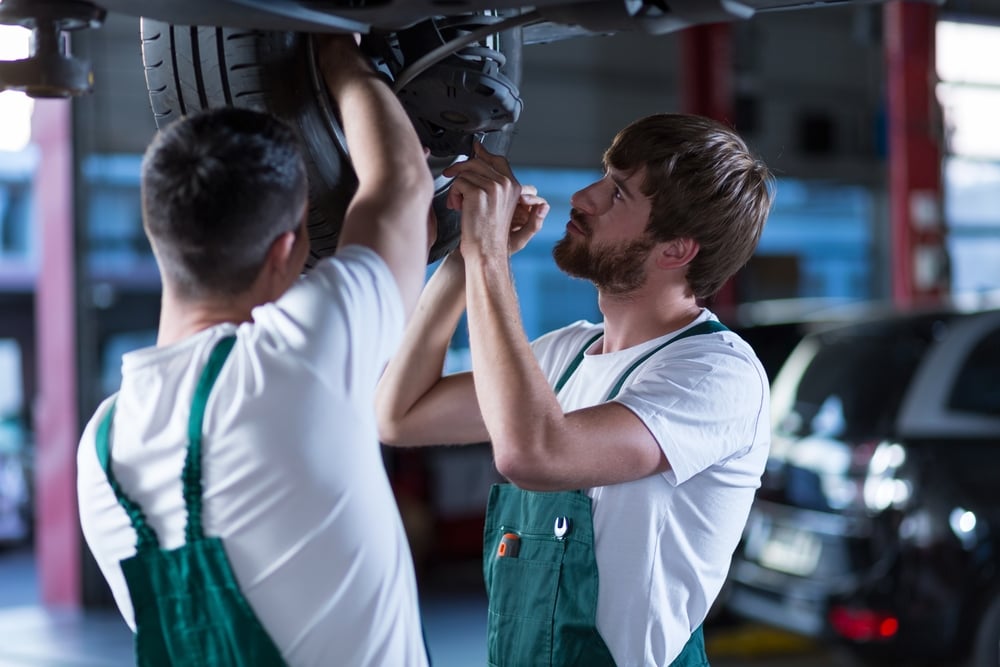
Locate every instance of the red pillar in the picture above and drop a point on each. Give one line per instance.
(919, 260)
(57, 532)
(706, 76)
(707, 71)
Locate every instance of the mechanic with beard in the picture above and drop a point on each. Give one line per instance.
(635, 445)
(233, 492)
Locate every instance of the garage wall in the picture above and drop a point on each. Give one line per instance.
(578, 93)
(808, 87)
(815, 79)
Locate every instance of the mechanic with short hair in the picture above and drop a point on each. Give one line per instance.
(635, 445)
(233, 491)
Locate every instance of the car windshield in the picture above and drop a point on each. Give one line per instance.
(851, 381)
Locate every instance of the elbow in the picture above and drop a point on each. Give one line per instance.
(390, 431)
(401, 430)
(386, 423)
(393, 435)
(506, 464)
(520, 469)
(388, 435)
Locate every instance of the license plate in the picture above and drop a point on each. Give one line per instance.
(790, 550)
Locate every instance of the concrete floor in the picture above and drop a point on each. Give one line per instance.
(454, 613)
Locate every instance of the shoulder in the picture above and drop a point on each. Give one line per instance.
(719, 342)
(88, 440)
(717, 361)
(352, 292)
(733, 350)
(354, 261)
(91, 481)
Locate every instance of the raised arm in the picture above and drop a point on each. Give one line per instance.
(390, 210)
(415, 405)
(535, 444)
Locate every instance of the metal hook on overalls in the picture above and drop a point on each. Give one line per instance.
(561, 527)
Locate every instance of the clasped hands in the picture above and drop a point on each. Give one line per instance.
(499, 215)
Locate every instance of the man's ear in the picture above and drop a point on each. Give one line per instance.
(677, 253)
(280, 254)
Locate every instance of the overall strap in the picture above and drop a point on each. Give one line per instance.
(576, 362)
(708, 326)
(146, 536)
(191, 475)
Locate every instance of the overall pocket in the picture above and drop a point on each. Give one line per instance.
(522, 599)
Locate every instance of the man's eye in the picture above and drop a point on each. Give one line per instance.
(618, 193)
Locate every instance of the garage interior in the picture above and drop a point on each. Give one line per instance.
(878, 119)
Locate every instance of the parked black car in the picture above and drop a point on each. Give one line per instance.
(878, 520)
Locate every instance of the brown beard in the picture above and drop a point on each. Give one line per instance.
(614, 269)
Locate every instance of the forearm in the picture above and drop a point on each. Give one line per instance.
(414, 404)
(391, 163)
(389, 211)
(521, 412)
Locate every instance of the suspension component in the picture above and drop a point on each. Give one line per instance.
(462, 95)
(50, 70)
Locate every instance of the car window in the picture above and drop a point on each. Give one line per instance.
(772, 342)
(976, 388)
(853, 386)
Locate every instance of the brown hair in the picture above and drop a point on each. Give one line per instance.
(704, 184)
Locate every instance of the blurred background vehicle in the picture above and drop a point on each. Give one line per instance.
(773, 327)
(878, 520)
(15, 450)
(15, 489)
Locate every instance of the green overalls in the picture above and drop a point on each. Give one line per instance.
(188, 606)
(541, 573)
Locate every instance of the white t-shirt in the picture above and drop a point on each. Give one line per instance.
(664, 543)
(294, 481)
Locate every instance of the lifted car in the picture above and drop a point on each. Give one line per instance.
(456, 66)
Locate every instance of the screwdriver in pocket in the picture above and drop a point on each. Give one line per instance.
(510, 545)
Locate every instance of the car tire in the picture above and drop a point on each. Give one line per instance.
(190, 68)
(986, 648)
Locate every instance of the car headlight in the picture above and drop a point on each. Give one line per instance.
(963, 523)
(883, 487)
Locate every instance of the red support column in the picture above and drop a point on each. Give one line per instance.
(919, 259)
(57, 532)
(706, 71)
(706, 75)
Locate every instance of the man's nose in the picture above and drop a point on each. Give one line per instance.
(588, 199)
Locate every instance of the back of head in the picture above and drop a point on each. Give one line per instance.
(704, 184)
(218, 187)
